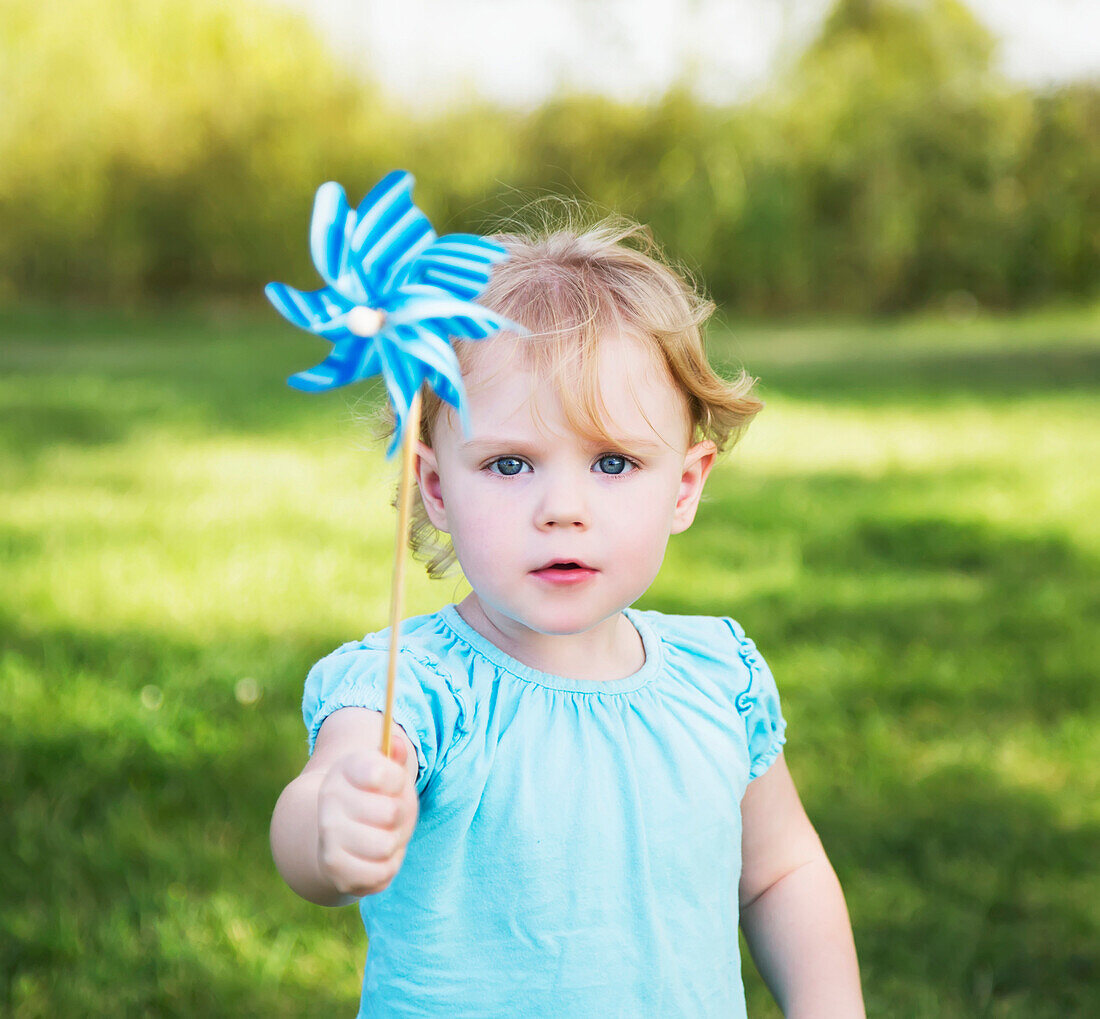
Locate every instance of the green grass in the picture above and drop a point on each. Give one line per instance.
(911, 532)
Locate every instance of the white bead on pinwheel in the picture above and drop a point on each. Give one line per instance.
(364, 321)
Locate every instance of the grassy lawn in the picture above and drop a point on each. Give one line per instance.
(910, 531)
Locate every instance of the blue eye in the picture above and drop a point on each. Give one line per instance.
(509, 466)
(613, 463)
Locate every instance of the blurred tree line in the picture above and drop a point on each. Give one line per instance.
(172, 148)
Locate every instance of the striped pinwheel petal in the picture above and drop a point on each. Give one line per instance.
(390, 232)
(351, 359)
(471, 320)
(314, 310)
(403, 376)
(329, 234)
(446, 376)
(403, 251)
(431, 348)
(458, 264)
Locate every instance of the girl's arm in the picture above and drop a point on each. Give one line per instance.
(792, 908)
(340, 829)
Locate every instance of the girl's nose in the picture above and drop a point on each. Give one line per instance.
(563, 505)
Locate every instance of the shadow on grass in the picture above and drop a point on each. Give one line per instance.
(966, 896)
(970, 887)
(135, 874)
(932, 545)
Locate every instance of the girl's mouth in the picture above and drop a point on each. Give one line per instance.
(566, 572)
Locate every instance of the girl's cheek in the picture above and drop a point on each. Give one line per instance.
(491, 520)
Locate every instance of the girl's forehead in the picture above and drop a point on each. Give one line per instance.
(626, 390)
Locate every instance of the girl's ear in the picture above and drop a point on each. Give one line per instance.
(431, 491)
(697, 464)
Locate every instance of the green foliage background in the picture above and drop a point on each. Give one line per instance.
(172, 148)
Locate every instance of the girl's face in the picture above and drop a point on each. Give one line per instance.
(554, 531)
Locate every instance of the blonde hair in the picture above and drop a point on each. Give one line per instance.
(569, 286)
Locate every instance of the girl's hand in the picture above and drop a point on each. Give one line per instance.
(366, 812)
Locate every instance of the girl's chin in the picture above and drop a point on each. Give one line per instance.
(565, 621)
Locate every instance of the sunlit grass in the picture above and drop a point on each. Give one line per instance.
(909, 530)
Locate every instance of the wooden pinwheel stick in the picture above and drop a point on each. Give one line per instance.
(397, 595)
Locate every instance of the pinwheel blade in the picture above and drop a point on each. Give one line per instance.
(471, 321)
(403, 376)
(428, 344)
(314, 310)
(458, 264)
(351, 359)
(390, 233)
(329, 235)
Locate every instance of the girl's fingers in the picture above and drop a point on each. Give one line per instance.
(353, 875)
(387, 812)
(399, 750)
(376, 845)
(372, 772)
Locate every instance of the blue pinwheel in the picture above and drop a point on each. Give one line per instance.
(396, 294)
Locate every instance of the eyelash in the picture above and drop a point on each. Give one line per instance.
(631, 465)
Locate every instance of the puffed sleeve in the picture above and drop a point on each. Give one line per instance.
(426, 705)
(758, 705)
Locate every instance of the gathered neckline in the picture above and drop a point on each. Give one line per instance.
(651, 645)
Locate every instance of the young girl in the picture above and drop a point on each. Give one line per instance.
(585, 799)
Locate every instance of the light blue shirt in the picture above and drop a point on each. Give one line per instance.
(579, 844)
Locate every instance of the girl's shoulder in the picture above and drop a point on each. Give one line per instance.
(719, 655)
(709, 637)
(430, 699)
